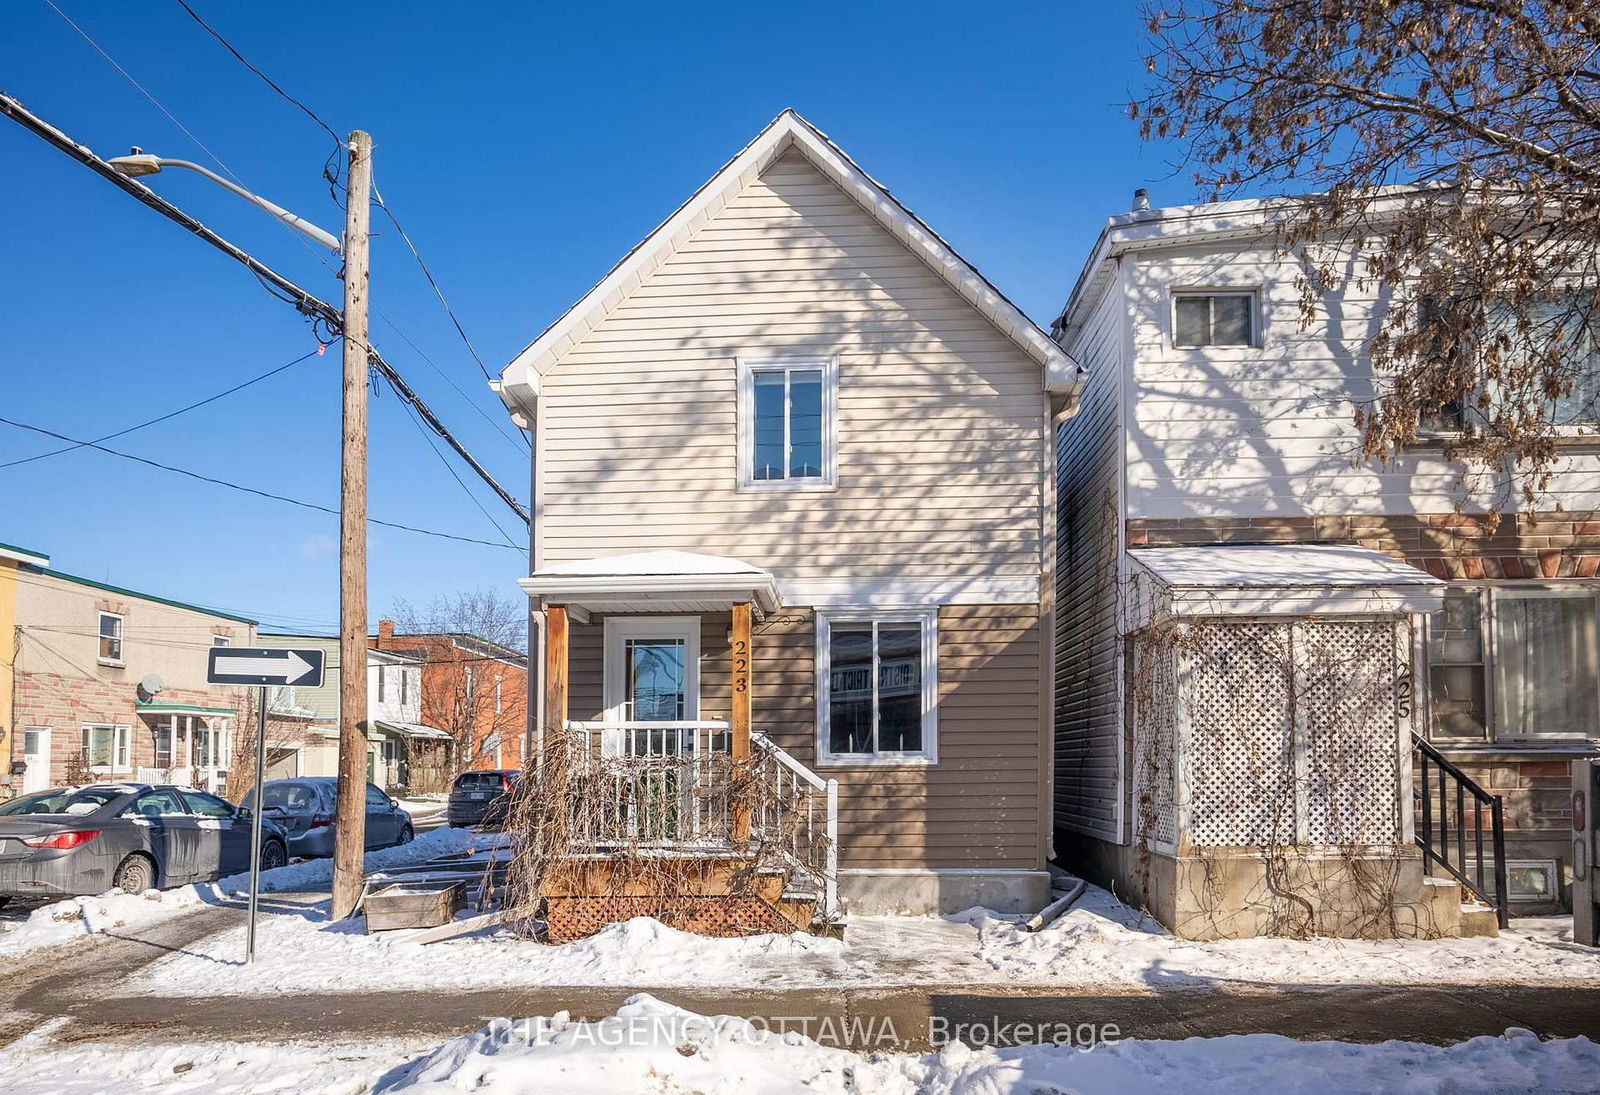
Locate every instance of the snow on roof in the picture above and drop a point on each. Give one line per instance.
(650, 562)
(787, 130)
(413, 729)
(1234, 565)
(1275, 580)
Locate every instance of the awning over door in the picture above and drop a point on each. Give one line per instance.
(412, 730)
(654, 581)
(1272, 580)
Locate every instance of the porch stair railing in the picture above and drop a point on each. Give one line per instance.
(1450, 809)
(673, 787)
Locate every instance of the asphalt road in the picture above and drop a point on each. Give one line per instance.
(81, 982)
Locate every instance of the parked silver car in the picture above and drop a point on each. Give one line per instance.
(304, 807)
(85, 840)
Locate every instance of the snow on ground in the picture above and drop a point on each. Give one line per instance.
(64, 921)
(650, 1046)
(1100, 943)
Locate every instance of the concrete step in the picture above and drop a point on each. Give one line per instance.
(1478, 921)
(1439, 910)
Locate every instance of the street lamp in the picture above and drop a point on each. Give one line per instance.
(139, 163)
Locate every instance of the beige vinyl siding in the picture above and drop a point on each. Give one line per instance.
(940, 414)
(1087, 692)
(979, 806)
(1269, 430)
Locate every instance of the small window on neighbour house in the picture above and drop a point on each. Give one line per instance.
(382, 673)
(405, 681)
(875, 703)
(110, 637)
(787, 423)
(1516, 662)
(1213, 319)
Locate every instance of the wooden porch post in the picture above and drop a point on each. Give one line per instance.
(739, 724)
(555, 674)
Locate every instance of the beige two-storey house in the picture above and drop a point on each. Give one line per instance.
(792, 484)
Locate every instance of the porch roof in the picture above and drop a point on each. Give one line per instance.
(412, 730)
(1276, 579)
(654, 581)
(153, 708)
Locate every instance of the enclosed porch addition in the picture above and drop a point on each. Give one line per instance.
(654, 793)
(1271, 700)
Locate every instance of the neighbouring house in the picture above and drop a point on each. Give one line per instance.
(1291, 679)
(404, 752)
(473, 689)
(109, 683)
(793, 518)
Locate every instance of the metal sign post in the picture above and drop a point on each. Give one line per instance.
(255, 827)
(265, 668)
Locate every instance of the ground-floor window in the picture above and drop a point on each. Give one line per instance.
(105, 747)
(213, 746)
(1515, 661)
(877, 695)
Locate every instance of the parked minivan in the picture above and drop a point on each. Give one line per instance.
(481, 798)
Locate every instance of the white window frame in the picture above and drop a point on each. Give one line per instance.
(1489, 592)
(122, 639)
(121, 746)
(1199, 291)
(618, 629)
(219, 734)
(927, 619)
(748, 367)
(221, 640)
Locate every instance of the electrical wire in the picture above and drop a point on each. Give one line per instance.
(169, 414)
(248, 490)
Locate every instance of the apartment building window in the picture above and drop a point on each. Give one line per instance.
(1213, 319)
(877, 703)
(105, 747)
(1513, 662)
(111, 638)
(787, 415)
(221, 640)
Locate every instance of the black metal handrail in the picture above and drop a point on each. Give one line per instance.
(1445, 839)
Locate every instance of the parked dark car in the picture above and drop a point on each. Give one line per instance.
(304, 807)
(136, 836)
(481, 798)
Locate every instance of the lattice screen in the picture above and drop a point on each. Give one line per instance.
(1155, 807)
(1289, 731)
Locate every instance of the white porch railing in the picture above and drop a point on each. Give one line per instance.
(673, 785)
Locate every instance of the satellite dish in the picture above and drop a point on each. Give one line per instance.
(151, 685)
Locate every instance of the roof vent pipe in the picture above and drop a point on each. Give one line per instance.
(1141, 200)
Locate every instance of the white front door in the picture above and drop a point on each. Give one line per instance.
(36, 754)
(652, 674)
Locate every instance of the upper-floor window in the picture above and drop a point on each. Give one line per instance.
(110, 637)
(1512, 661)
(221, 640)
(787, 425)
(405, 682)
(1213, 319)
(382, 673)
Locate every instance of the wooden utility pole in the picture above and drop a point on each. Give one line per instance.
(350, 806)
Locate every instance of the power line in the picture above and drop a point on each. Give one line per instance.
(265, 78)
(247, 490)
(169, 414)
(303, 300)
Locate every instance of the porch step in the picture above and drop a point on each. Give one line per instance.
(1478, 922)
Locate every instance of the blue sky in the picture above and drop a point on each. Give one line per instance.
(525, 147)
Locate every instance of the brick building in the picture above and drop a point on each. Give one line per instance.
(473, 689)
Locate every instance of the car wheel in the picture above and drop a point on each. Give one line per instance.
(407, 835)
(136, 874)
(273, 855)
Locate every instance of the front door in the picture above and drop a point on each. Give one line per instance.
(36, 754)
(652, 675)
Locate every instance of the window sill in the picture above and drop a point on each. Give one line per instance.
(1527, 749)
(112, 663)
(876, 762)
(787, 486)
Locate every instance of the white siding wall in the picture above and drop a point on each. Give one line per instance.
(1269, 430)
(940, 415)
(1089, 538)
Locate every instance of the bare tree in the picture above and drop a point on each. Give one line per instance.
(1456, 148)
(463, 637)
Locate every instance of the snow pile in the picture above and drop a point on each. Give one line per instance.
(1101, 941)
(114, 910)
(305, 952)
(652, 1046)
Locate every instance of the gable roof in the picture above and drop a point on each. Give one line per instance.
(519, 382)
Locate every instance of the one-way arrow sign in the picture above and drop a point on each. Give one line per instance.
(264, 665)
